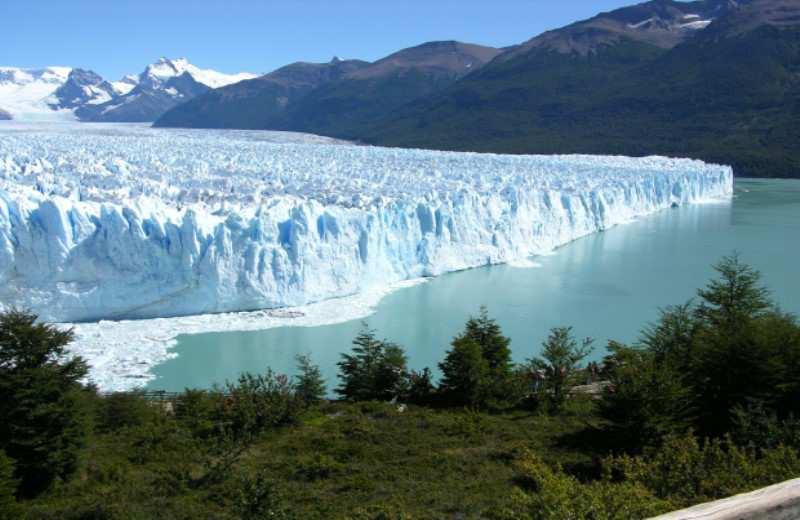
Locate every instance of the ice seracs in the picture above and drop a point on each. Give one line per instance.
(102, 223)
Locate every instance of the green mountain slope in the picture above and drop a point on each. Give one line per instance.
(257, 103)
(730, 93)
(335, 98)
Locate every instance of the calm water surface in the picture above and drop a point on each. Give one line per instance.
(607, 286)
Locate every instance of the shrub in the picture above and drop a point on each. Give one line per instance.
(317, 467)
(258, 498)
(549, 494)
(420, 387)
(686, 471)
(258, 402)
(124, 410)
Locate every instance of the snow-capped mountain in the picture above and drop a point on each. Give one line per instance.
(160, 87)
(162, 71)
(66, 93)
(25, 93)
(83, 87)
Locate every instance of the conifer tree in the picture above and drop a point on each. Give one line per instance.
(465, 373)
(375, 370)
(560, 358)
(309, 386)
(42, 402)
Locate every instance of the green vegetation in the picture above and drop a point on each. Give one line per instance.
(42, 417)
(723, 98)
(702, 407)
(560, 359)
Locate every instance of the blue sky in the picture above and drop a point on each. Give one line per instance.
(117, 37)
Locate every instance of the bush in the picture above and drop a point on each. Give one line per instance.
(549, 494)
(258, 499)
(124, 410)
(43, 407)
(421, 390)
(258, 402)
(317, 467)
(686, 471)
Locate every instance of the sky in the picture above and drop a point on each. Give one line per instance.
(118, 37)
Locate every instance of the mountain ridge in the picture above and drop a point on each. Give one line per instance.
(363, 91)
(74, 93)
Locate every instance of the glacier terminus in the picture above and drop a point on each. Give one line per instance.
(113, 222)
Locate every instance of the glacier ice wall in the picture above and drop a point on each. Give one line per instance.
(130, 222)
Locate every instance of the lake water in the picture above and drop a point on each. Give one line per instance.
(607, 286)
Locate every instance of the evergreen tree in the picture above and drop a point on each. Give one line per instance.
(375, 370)
(495, 347)
(736, 360)
(42, 403)
(309, 386)
(465, 373)
(560, 358)
(735, 298)
(647, 399)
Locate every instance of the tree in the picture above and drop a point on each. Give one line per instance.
(647, 397)
(375, 370)
(735, 359)
(9, 509)
(43, 407)
(735, 298)
(559, 361)
(495, 348)
(309, 386)
(465, 373)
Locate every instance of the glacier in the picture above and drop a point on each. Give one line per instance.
(120, 222)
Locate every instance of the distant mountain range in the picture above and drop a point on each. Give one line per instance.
(713, 79)
(717, 80)
(67, 93)
(332, 98)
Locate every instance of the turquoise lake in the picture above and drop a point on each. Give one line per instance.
(607, 286)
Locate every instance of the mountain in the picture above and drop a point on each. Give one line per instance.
(337, 97)
(373, 92)
(260, 102)
(4, 116)
(82, 87)
(25, 93)
(67, 93)
(715, 79)
(161, 86)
